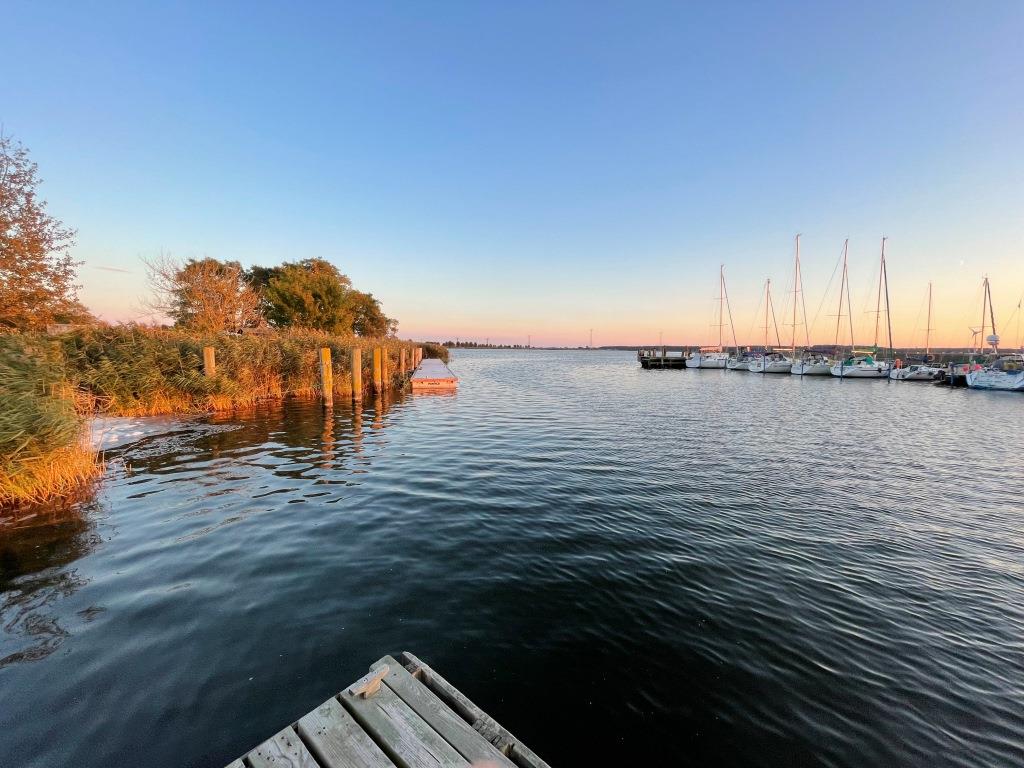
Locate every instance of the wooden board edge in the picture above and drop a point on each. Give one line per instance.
(493, 731)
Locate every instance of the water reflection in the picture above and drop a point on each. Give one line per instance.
(212, 469)
(739, 569)
(36, 549)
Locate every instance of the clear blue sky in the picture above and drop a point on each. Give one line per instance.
(496, 169)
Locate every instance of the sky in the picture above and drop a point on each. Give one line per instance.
(503, 170)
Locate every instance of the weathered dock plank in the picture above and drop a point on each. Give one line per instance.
(406, 737)
(456, 731)
(401, 714)
(433, 375)
(284, 750)
(504, 741)
(338, 740)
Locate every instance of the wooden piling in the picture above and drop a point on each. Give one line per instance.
(385, 373)
(378, 378)
(326, 377)
(401, 364)
(209, 361)
(357, 373)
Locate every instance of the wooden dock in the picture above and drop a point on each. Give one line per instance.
(654, 358)
(400, 715)
(431, 375)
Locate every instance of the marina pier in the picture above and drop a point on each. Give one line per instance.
(660, 358)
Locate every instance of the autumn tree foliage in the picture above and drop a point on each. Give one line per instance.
(314, 294)
(203, 295)
(37, 272)
(211, 296)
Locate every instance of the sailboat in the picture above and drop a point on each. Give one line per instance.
(863, 365)
(770, 361)
(739, 361)
(1006, 373)
(715, 357)
(919, 371)
(810, 363)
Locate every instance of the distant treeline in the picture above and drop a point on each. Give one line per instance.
(476, 345)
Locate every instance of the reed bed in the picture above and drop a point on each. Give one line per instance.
(42, 453)
(136, 371)
(50, 385)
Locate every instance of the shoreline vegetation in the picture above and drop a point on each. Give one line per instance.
(59, 365)
(51, 385)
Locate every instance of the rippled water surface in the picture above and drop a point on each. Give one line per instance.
(622, 566)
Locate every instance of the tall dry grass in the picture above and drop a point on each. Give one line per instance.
(49, 385)
(136, 371)
(42, 453)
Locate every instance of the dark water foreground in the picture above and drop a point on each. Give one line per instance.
(622, 566)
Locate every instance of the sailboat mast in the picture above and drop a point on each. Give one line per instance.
(992, 317)
(842, 287)
(796, 283)
(878, 302)
(767, 299)
(984, 298)
(888, 313)
(928, 328)
(849, 304)
(728, 307)
(991, 311)
(721, 302)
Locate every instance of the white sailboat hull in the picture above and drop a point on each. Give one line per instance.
(806, 368)
(997, 380)
(914, 373)
(861, 371)
(738, 365)
(707, 360)
(771, 365)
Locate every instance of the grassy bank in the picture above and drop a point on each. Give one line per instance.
(42, 455)
(50, 385)
(132, 371)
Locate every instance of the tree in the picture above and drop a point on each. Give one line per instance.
(204, 295)
(311, 293)
(37, 273)
(368, 317)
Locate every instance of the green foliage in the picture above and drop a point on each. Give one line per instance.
(367, 317)
(309, 294)
(313, 294)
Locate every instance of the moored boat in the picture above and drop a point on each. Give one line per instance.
(716, 356)
(1005, 374)
(738, 363)
(811, 365)
(914, 372)
(772, 362)
(861, 367)
(707, 358)
(919, 371)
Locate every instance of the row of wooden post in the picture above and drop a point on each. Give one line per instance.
(381, 377)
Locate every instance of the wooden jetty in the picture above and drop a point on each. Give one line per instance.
(400, 715)
(431, 375)
(654, 358)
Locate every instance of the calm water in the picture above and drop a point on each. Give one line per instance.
(622, 566)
